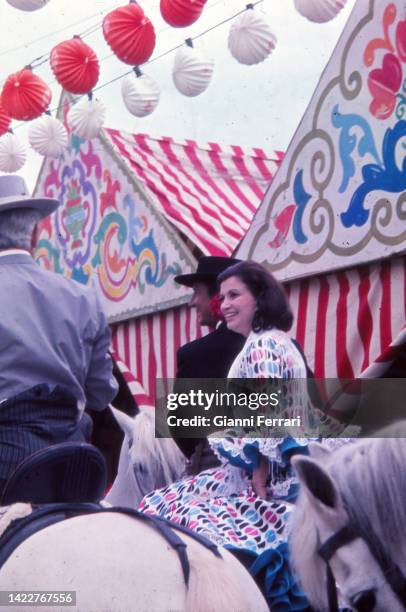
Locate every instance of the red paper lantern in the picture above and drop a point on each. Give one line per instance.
(75, 66)
(181, 13)
(25, 95)
(130, 34)
(5, 121)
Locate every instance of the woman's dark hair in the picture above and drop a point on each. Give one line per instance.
(273, 309)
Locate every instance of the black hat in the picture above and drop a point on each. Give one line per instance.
(208, 268)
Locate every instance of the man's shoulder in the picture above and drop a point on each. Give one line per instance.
(197, 345)
(210, 356)
(68, 286)
(220, 337)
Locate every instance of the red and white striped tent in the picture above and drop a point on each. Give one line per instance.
(209, 193)
(348, 321)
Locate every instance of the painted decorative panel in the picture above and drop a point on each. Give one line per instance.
(107, 234)
(339, 197)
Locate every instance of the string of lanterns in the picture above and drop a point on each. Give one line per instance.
(131, 36)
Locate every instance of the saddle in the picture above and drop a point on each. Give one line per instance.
(68, 472)
(68, 480)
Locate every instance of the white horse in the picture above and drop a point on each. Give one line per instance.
(146, 463)
(116, 563)
(349, 525)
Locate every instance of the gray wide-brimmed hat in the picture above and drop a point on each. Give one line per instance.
(14, 194)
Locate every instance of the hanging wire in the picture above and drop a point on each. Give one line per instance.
(154, 59)
(165, 29)
(173, 49)
(226, 20)
(50, 34)
(43, 59)
(68, 27)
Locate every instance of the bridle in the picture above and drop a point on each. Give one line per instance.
(390, 570)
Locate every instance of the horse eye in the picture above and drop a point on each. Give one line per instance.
(364, 601)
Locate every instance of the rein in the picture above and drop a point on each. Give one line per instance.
(390, 570)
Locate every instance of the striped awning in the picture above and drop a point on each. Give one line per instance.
(347, 320)
(209, 193)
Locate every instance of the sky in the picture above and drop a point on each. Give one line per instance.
(250, 106)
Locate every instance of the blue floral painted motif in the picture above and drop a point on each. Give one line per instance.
(348, 142)
(108, 220)
(388, 178)
(156, 269)
(79, 275)
(53, 254)
(76, 142)
(400, 108)
(301, 199)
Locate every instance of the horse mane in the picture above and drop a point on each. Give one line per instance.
(370, 476)
(159, 457)
(304, 543)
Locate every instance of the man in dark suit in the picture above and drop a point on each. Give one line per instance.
(212, 355)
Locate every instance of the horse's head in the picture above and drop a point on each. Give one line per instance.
(349, 525)
(146, 462)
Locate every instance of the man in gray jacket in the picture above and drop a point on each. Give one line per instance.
(54, 339)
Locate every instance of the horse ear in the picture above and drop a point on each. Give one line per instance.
(318, 451)
(125, 422)
(318, 485)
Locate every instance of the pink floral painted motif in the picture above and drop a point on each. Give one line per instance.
(385, 82)
(282, 224)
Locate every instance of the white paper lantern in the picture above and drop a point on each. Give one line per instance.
(48, 136)
(250, 39)
(28, 5)
(86, 117)
(12, 153)
(192, 71)
(319, 11)
(140, 94)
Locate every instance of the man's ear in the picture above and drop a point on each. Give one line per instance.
(319, 488)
